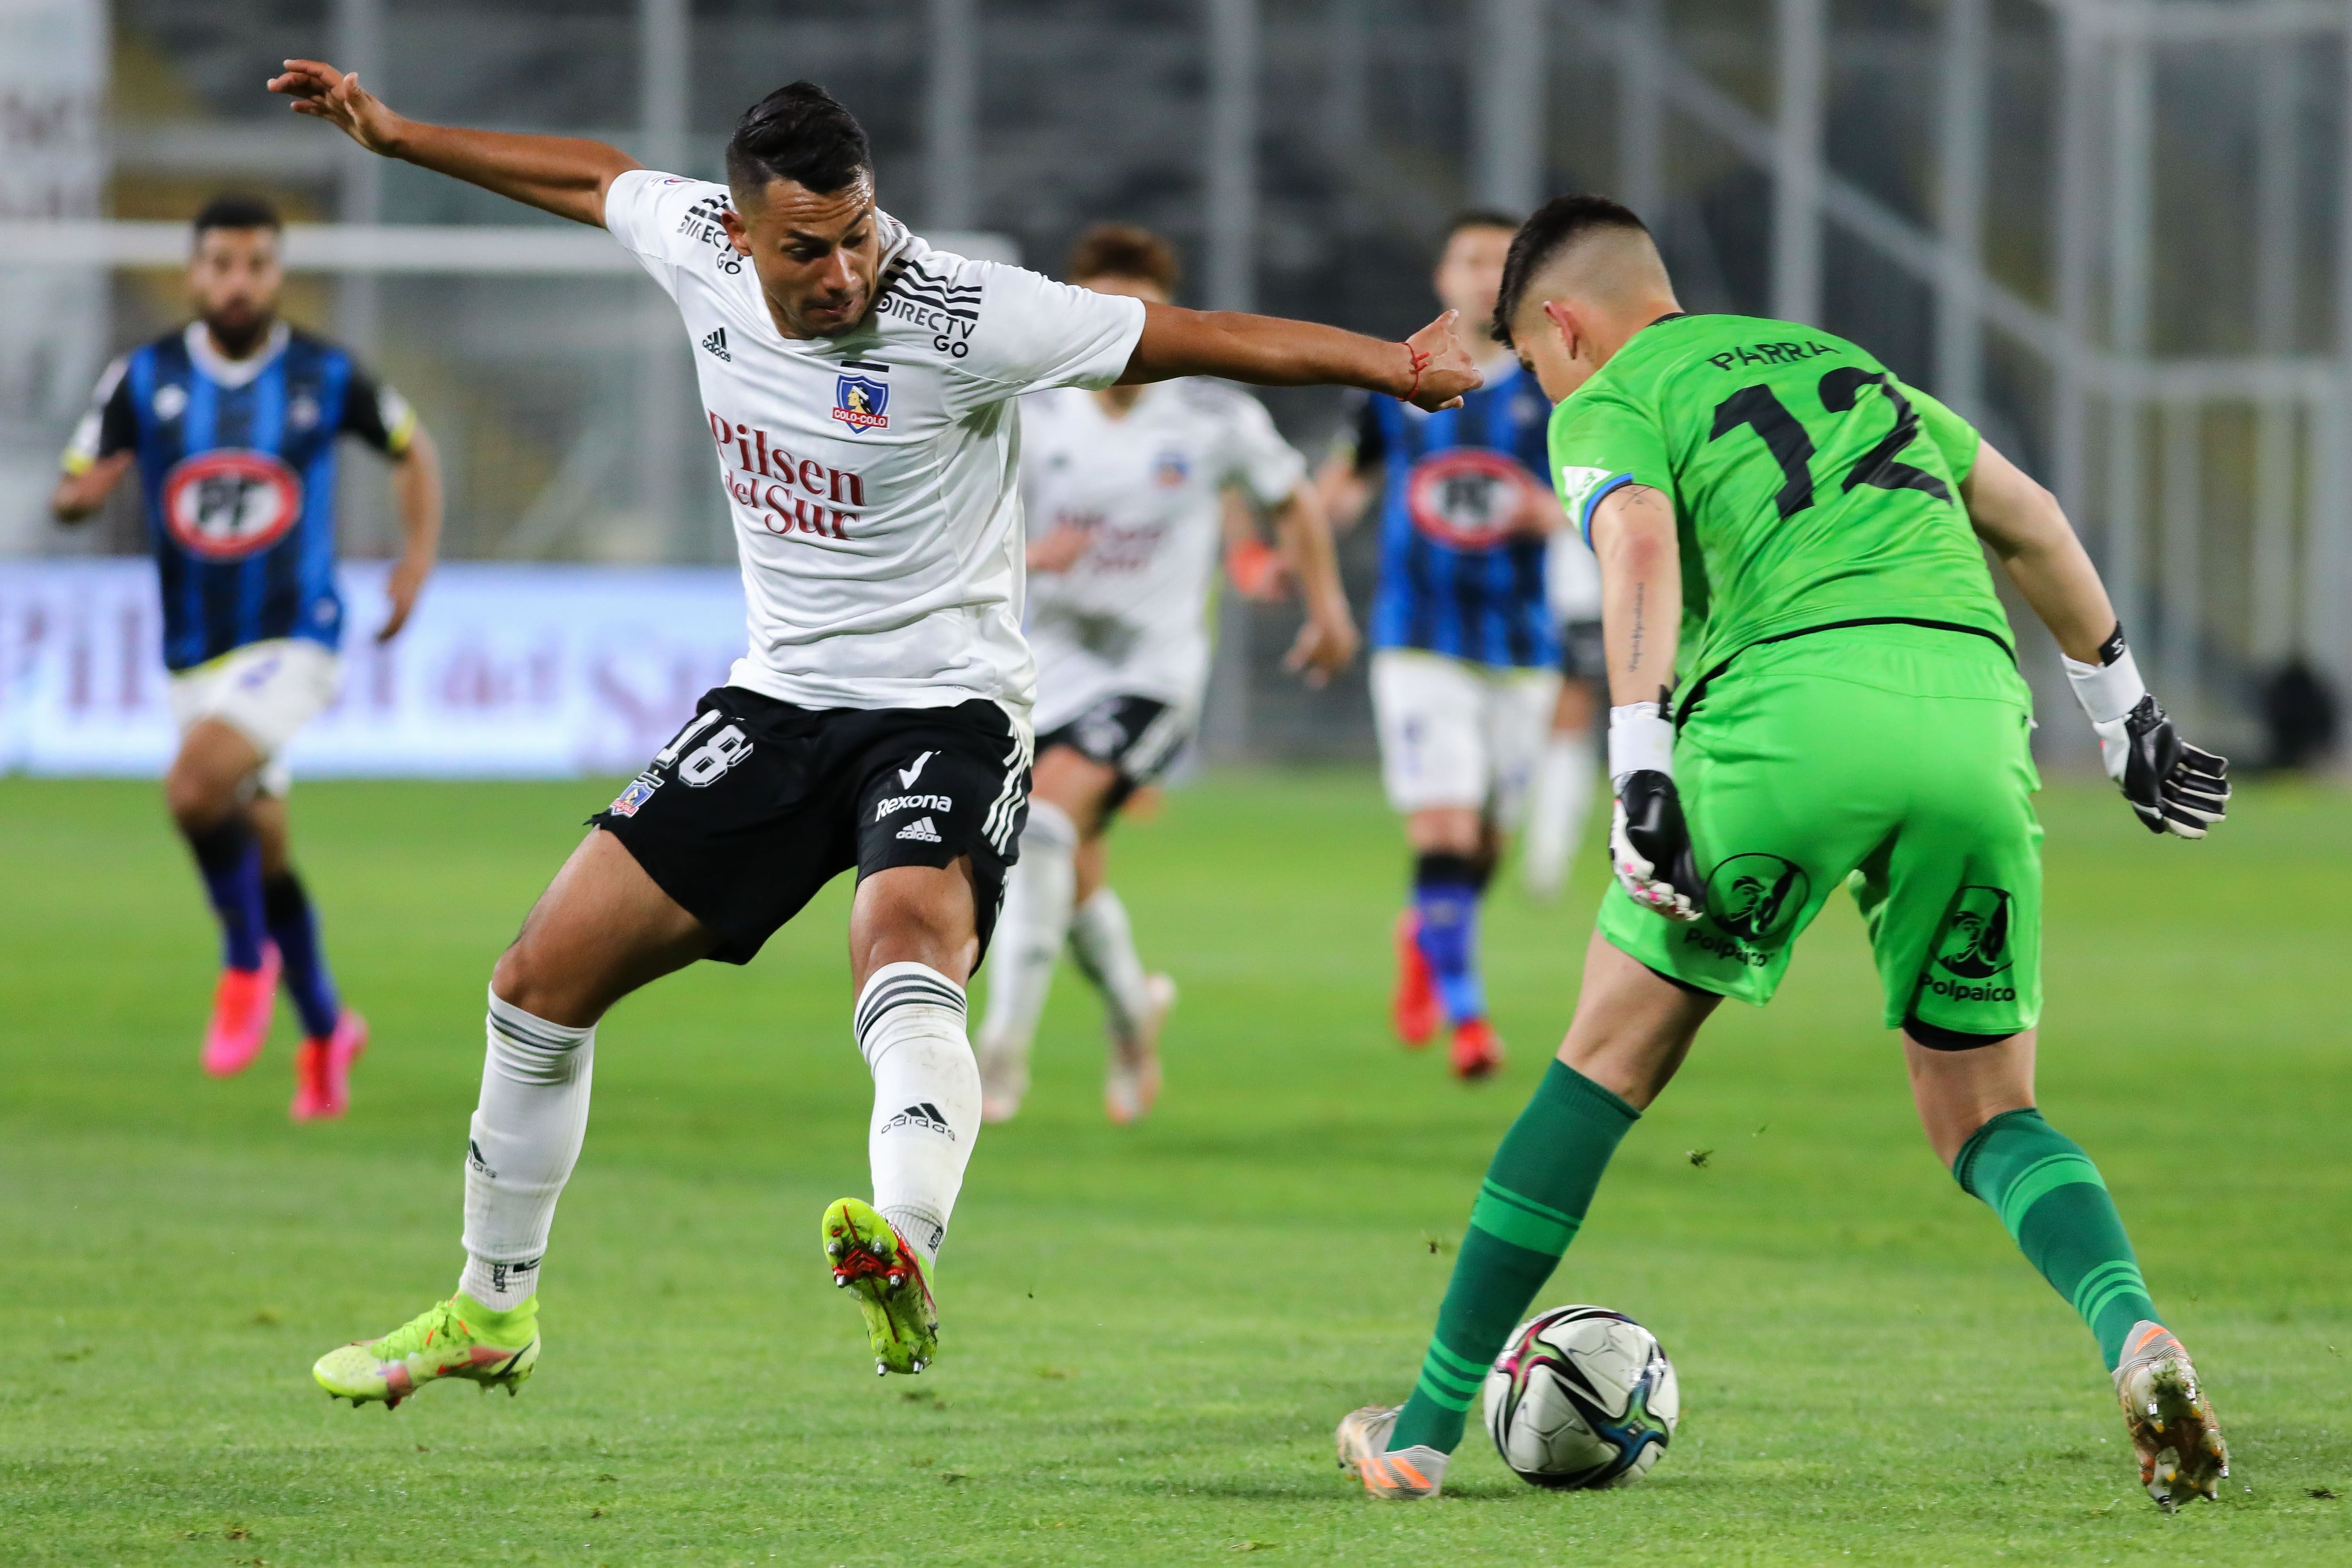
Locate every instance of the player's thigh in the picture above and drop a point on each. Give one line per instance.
(1518, 710)
(1075, 785)
(943, 792)
(743, 816)
(1429, 711)
(1954, 902)
(601, 929)
(1785, 792)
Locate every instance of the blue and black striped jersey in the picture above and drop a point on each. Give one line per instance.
(1461, 567)
(236, 469)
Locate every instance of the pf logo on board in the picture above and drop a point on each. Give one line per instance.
(230, 503)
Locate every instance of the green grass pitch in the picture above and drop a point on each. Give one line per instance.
(1149, 1332)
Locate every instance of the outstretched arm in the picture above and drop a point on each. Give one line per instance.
(1431, 369)
(566, 175)
(2173, 786)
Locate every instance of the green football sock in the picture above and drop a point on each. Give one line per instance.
(2050, 1198)
(1528, 1209)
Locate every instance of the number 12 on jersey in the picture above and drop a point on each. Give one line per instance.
(1786, 439)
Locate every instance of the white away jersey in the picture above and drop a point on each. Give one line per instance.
(1130, 618)
(873, 476)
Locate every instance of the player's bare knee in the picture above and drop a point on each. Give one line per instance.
(196, 800)
(525, 978)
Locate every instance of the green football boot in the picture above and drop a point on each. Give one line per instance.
(870, 1258)
(456, 1338)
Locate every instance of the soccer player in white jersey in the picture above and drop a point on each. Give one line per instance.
(1126, 489)
(861, 392)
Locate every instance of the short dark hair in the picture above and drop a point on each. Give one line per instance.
(801, 133)
(1550, 230)
(233, 210)
(1124, 250)
(1478, 218)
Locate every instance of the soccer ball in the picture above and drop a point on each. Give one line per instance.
(1581, 1396)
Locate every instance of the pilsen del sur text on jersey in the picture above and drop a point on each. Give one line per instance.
(793, 495)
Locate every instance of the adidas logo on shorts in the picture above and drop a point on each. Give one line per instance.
(920, 830)
(717, 343)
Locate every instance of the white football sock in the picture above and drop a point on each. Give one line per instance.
(1030, 932)
(910, 1030)
(1557, 808)
(1103, 941)
(525, 1139)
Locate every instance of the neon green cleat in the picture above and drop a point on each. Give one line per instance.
(869, 1257)
(456, 1338)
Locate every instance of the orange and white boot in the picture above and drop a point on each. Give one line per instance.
(2172, 1425)
(1406, 1475)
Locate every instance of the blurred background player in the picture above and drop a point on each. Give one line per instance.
(233, 424)
(1126, 488)
(1463, 677)
(1559, 801)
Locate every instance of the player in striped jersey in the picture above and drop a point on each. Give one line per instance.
(232, 426)
(1464, 666)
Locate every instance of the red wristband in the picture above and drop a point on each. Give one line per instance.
(1420, 362)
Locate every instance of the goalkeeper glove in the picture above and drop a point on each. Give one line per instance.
(1649, 842)
(2171, 785)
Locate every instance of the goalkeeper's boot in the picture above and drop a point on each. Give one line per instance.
(2172, 1424)
(1132, 1082)
(456, 1338)
(870, 1258)
(1477, 1052)
(1406, 1474)
(243, 1000)
(1414, 1010)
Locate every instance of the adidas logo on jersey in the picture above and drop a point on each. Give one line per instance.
(925, 1115)
(920, 830)
(717, 343)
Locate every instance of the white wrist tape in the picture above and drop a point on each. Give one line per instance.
(2107, 691)
(1640, 737)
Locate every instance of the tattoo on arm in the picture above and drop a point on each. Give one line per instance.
(1634, 653)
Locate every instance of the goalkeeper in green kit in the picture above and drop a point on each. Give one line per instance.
(1813, 684)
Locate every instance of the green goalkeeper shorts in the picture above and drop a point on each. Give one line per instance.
(1894, 758)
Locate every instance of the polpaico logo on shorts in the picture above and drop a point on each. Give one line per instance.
(1973, 952)
(1757, 897)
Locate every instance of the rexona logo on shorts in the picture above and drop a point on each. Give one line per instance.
(1974, 948)
(1756, 897)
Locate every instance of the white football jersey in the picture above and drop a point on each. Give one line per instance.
(873, 476)
(1131, 618)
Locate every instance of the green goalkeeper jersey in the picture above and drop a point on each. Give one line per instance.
(1811, 488)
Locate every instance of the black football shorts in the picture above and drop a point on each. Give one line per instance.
(757, 803)
(1140, 736)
